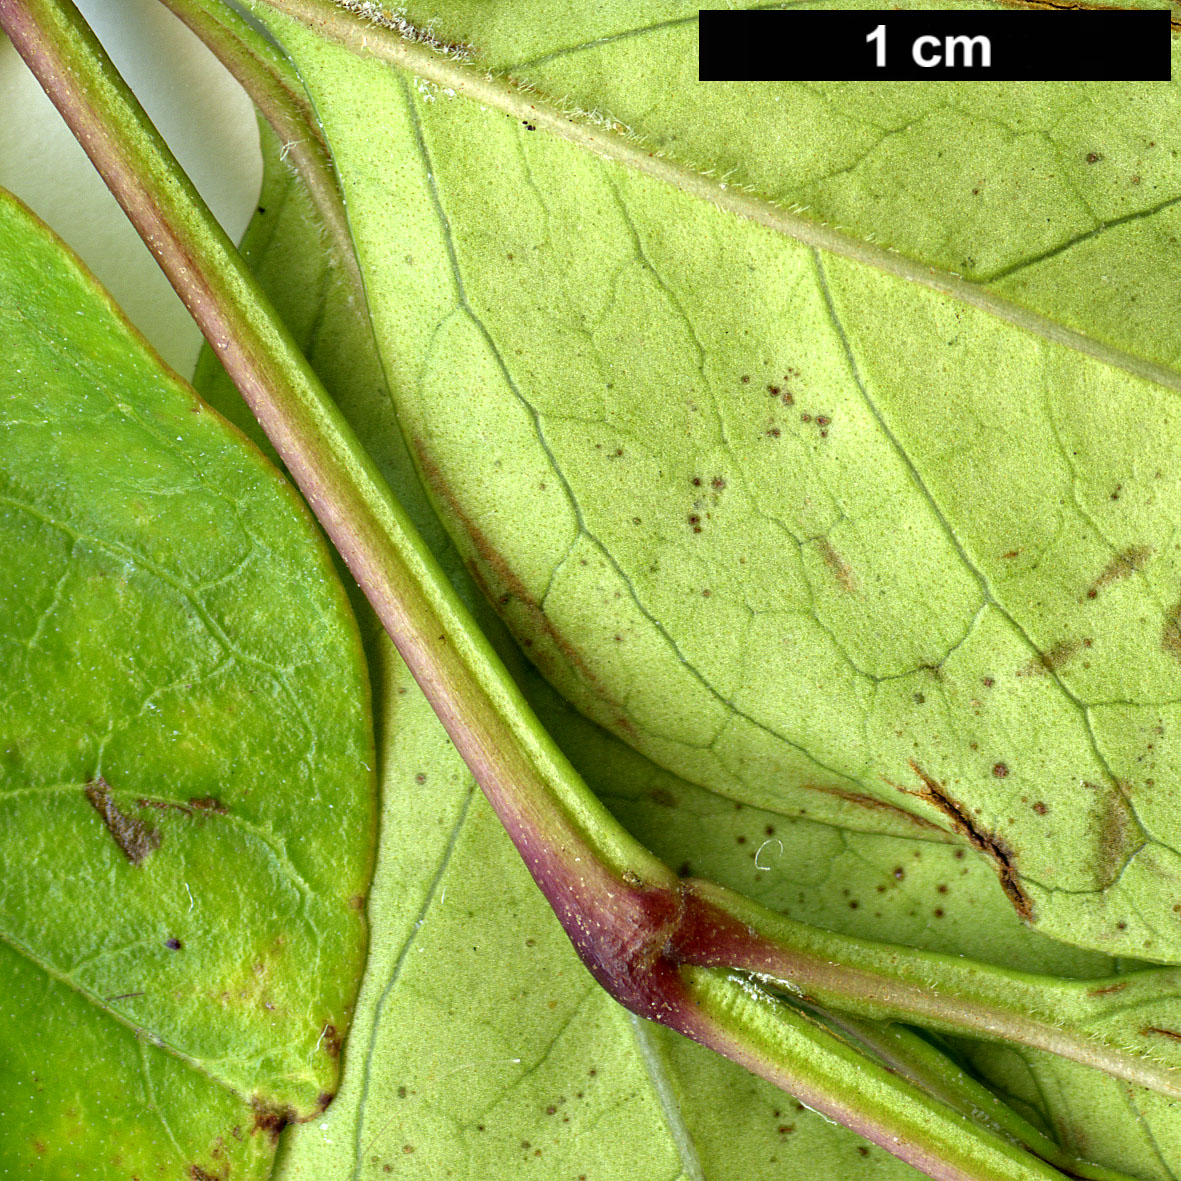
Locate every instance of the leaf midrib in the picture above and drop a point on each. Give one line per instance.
(501, 92)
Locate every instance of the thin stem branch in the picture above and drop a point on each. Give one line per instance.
(275, 89)
(910, 1054)
(1100, 1023)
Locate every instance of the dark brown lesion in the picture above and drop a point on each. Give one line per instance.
(271, 1120)
(989, 844)
(208, 804)
(164, 806)
(1108, 988)
(1122, 566)
(872, 804)
(1170, 640)
(135, 838)
(1169, 1033)
(492, 560)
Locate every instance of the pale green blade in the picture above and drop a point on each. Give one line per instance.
(689, 1110)
(800, 528)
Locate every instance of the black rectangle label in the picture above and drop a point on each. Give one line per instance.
(1012, 45)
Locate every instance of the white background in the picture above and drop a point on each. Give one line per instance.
(206, 119)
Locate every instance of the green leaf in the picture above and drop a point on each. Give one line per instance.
(438, 1024)
(447, 881)
(185, 760)
(809, 527)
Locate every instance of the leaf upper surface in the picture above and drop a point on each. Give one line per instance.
(185, 760)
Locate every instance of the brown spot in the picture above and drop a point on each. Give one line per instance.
(1170, 639)
(199, 1174)
(323, 1099)
(746, 379)
(1011, 553)
(840, 568)
(983, 842)
(1108, 988)
(134, 837)
(271, 1120)
(174, 943)
(357, 902)
(208, 804)
(1040, 808)
(999, 770)
(663, 797)
(1093, 157)
(1123, 565)
(1170, 1033)
(1119, 831)
(1056, 657)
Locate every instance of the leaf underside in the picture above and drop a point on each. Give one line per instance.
(877, 873)
(809, 535)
